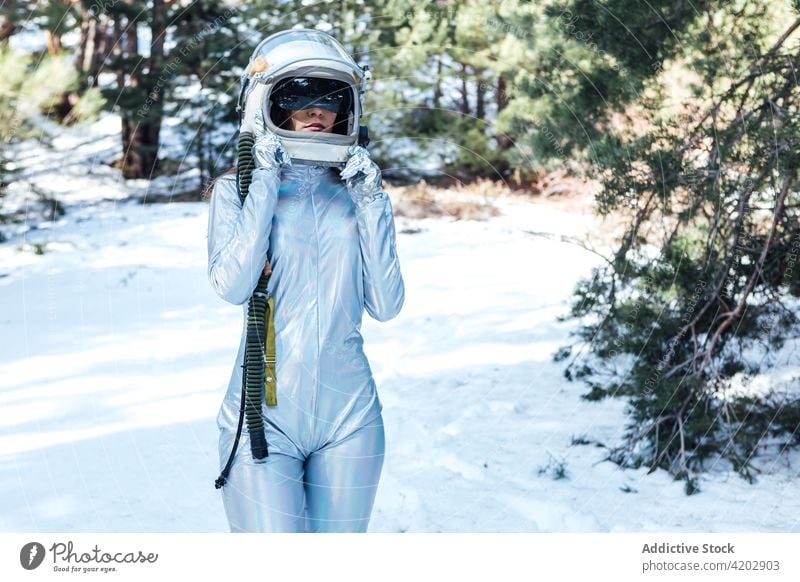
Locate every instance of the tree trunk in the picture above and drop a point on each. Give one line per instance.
(88, 25)
(117, 51)
(201, 160)
(97, 56)
(141, 128)
(53, 42)
(7, 28)
(90, 56)
(437, 89)
(464, 93)
(151, 125)
(131, 162)
(502, 93)
(501, 96)
(132, 48)
(480, 104)
(158, 32)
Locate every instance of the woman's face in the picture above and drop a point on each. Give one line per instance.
(313, 119)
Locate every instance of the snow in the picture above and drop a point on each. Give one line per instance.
(116, 355)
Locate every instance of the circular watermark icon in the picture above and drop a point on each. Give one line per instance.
(31, 555)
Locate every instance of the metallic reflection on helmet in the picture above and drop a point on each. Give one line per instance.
(298, 69)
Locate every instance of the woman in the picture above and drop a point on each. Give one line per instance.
(329, 241)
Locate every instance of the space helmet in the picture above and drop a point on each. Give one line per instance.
(298, 69)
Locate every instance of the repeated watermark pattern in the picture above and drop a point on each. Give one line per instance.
(176, 60)
(453, 15)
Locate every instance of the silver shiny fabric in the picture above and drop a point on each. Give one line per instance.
(330, 260)
(268, 149)
(362, 176)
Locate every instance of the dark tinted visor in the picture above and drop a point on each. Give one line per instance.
(307, 92)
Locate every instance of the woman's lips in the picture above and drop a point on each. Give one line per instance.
(314, 127)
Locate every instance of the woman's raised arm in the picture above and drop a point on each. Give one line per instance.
(238, 236)
(384, 290)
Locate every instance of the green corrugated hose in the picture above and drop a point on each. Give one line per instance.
(259, 374)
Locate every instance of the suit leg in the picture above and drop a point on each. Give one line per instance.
(265, 495)
(342, 479)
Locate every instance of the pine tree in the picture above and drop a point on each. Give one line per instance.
(692, 128)
(204, 69)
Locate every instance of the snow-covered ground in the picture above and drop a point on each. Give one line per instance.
(116, 354)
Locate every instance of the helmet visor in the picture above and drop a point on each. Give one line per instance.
(307, 92)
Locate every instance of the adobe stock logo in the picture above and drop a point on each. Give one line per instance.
(31, 555)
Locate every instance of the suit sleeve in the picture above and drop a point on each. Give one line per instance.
(384, 291)
(238, 235)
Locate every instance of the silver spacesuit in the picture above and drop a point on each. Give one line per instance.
(330, 258)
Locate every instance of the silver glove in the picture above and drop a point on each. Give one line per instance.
(268, 151)
(362, 176)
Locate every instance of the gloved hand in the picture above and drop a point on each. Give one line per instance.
(268, 150)
(362, 176)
